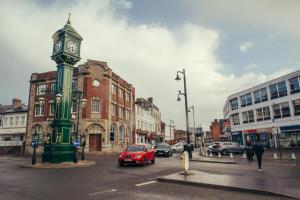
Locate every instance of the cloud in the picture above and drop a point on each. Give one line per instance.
(246, 46)
(251, 67)
(146, 55)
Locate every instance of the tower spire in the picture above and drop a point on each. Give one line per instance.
(69, 19)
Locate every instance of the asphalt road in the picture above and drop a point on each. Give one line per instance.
(105, 180)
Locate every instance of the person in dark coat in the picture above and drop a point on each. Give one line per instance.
(259, 151)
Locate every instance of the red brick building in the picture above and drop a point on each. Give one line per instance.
(180, 135)
(216, 129)
(107, 121)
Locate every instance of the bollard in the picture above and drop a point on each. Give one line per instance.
(275, 156)
(244, 155)
(293, 157)
(231, 155)
(210, 155)
(219, 155)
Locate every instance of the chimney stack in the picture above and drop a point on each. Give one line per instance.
(16, 103)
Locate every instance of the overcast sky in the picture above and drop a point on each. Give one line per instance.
(224, 46)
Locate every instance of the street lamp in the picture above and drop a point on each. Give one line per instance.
(79, 101)
(186, 109)
(58, 98)
(192, 107)
(170, 126)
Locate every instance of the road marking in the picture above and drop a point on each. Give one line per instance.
(146, 183)
(102, 192)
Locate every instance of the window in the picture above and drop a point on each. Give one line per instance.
(263, 114)
(11, 121)
(260, 95)
(127, 114)
(114, 89)
(23, 121)
(114, 109)
(5, 121)
(121, 112)
(234, 104)
(127, 97)
(120, 135)
(278, 90)
(246, 100)
(37, 133)
(112, 133)
(17, 121)
(121, 94)
(39, 110)
(95, 105)
(235, 119)
(74, 84)
(41, 89)
(52, 87)
(281, 110)
(51, 109)
(294, 85)
(248, 116)
(296, 105)
(74, 106)
(1, 120)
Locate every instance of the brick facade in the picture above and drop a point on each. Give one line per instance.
(95, 121)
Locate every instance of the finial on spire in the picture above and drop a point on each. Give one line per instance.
(69, 19)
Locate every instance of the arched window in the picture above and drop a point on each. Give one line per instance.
(120, 135)
(37, 133)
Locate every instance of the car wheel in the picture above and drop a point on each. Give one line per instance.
(153, 160)
(173, 150)
(121, 164)
(170, 154)
(225, 152)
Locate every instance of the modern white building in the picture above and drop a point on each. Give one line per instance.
(270, 111)
(145, 122)
(13, 120)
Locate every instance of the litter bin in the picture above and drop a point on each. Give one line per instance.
(249, 153)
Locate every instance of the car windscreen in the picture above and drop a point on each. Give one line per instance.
(162, 147)
(136, 148)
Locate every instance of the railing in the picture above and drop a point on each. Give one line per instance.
(10, 143)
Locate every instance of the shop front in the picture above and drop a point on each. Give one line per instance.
(264, 135)
(289, 136)
(237, 137)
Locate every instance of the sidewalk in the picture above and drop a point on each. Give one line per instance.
(258, 184)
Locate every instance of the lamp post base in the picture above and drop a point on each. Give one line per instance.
(57, 153)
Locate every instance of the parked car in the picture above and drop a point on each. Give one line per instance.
(137, 154)
(226, 148)
(178, 147)
(163, 149)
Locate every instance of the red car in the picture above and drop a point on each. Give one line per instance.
(137, 154)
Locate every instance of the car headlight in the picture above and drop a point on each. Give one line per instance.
(138, 156)
(166, 151)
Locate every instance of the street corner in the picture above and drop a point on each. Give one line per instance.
(63, 165)
(233, 182)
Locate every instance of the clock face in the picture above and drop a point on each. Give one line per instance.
(96, 83)
(58, 46)
(72, 47)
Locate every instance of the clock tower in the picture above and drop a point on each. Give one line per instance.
(66, 53)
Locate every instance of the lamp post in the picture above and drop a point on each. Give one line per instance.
(79, 101)
(83, 146)
(186, 109)
(192, 107)
(170, 126)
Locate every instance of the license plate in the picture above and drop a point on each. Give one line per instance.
(160, 153)
(128, 160)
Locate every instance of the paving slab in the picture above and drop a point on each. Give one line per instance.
(257, 184)
(84, 163)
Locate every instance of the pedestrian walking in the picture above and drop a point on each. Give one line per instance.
(259, 151)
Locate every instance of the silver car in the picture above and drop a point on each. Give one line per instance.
(226, 148)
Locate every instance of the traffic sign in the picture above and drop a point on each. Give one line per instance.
(76, 143)
(34, 143)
